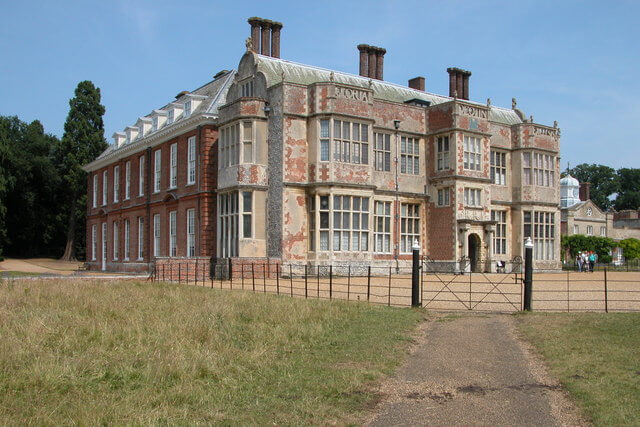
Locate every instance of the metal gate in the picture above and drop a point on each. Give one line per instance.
(453, 286)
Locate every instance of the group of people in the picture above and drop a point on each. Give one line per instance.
(586, 260)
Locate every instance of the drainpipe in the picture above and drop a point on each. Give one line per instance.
(396, 125)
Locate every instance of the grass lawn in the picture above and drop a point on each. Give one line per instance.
(80, 352)
(13, 274)
(596, 356)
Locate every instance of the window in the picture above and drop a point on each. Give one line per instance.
(141, 177)
(247, 142)
(156, 171)
(538, 169)
(603, 231)
(246, 213)
(94, 241)
(409, 155)
(230, 146)
(191, 232)
(127, 180)
(498, 167)
(312, 222)
(247, 88)
(140, 238)
(126, 239)
(526, 168)
(382, 227)
(576, 229)
(350, 223)
(156, 235)
(473, 197)
(191, 160)
(472, 153)
(589, 212)
(324, 223)
(95, 190)
(172, 234)
(170, 116)
(228, 224)
(324, 140)
(350, 142)
(409, 226)
(442, 153)
(382, 151)
(540, 226)
(154, 123)
(589, 230)
(187, 108)
(116, 183)
(500, 235)
(116, 241)
(104, 188)
(443, 196)
(173, 170)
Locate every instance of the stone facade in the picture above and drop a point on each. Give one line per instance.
(312, 166)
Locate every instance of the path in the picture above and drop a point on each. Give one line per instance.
(471, 369)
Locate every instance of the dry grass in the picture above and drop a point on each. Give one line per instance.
(133, 353)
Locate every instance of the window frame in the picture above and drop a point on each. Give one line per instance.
(472, 194)
(499, 244)
(157, 170)
(409, 226)
(105, 184)
(173, 233)
(191, 160)
(382, 227)
(382, 151)
(498, 163)
(444, 197)
(408, 155)
(191, 232)
(127, 180)
(116, 241)
(141, 166)
(173, 166)
(95, 190)
(140, 238)
(157, 229)
(442, 155)
(347, 141)
(472, 153)
(542, 232)
(127, 240)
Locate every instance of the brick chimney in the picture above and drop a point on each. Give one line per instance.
(459, 82)
(265, 36)
(585, 188)
(417, 83)
(371, 61)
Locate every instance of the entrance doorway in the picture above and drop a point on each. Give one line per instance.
(474, 252)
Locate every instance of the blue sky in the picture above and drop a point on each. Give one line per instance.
(576, 62)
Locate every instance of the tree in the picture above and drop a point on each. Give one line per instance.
(630, 248)
(579, 242)
(628, 189)
(603, 180)
(82, 142)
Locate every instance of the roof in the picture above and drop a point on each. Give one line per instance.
(213, 95)
(273, 69)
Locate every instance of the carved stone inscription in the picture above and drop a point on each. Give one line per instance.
(472, 111)
(537, 130)
(472, 215)
(349, 93)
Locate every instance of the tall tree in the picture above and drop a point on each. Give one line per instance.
(603, 179)
(628, 189)
(82, 142)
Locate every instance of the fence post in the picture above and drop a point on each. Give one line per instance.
(318, 281)
(264, 279)
(242, 276)
(330, 281)
(368, 283)
(348, 281)
(606, 301)
(305, 281)
(528, 273)
(389, 297)
(568, 295)
(291, 278)
(253, 278)
(230, 270)
(277, 279)
(211, 274)
(187, 273)
(470, 280)
(415, 270)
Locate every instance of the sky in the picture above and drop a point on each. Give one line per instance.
(576, 62)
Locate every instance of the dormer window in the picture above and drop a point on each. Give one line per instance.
(187, 108)
(154, 124)
(247, 88)
(170, 116)
(140, 131)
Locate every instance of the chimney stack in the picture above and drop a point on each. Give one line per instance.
(371, 61)
(458, 83)
(585, 188)
(265, 36)
(417, 83)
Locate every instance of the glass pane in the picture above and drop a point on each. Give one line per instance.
(337, 126)
(364, 224)
(324, 128)
(324, 202)
(337, 202)
(364, 133)
(336, 240)
(324, 220)
(337, 220)
(345, 130)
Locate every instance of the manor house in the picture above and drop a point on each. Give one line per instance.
(306, 165)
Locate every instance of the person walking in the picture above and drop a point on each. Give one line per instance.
(592, 261)
(579, 261)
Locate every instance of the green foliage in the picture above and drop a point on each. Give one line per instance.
(630, 248)
(579, 242)
(603, 179)
(82, 142)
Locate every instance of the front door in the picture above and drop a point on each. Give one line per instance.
(104, 246)
(474, 252)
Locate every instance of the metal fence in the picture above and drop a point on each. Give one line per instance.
(439, 290)
(627, 265)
